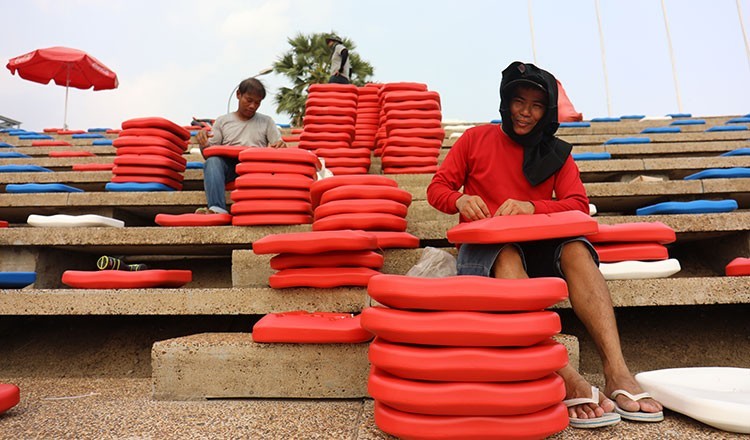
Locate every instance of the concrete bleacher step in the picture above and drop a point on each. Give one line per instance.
(241, 367)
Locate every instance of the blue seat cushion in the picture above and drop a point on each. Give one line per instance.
(23, 169)
(592, 156)
(496, 121)
(742, 120)
(16, 280)
(605, 119)
(136, 187)
(574, 124)
(738, 152)
(627, 140)
(6, 145)
(728, 128)
(194, 165)
(720, 173)
(101, 142)
(97, 130)
(688, 122)
(283, 125)
(88, 136)
(12, 154)
(679, 115)
(34, 137)
(40, 188)
(661, 130)
(632, 116)
(694, 207)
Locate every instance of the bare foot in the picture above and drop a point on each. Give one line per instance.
(629, 384)
(576, 386)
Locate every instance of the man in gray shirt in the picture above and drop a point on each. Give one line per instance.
(243, 127)
(340, 64)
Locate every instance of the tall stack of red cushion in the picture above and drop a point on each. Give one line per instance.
(273, 187)
(368, 116)
(149, 150)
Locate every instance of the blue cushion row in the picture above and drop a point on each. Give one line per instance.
(574, 124)
(688, 122)
(40, 188)
(694, 207)
(627, 140)
(592, 156)
(136, 187)
(720, 173)
(728, 128)
(23, 169)
(661, 130)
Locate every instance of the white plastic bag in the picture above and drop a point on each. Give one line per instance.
(434, 263)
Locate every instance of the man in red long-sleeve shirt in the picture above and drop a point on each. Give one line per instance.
(520, 168)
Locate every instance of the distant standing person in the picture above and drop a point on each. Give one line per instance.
(243, 127)
(340, 65)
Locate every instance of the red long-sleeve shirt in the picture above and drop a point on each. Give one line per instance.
(487, 163)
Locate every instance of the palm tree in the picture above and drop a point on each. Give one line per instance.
(306, 63)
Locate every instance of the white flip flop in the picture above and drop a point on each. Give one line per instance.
(606, 419)
(637, 416)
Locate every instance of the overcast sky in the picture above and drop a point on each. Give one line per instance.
(179, 59)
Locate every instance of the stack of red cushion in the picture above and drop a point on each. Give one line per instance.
(412, 122)
(365, 202)
(328, 128)
(149, 150)
(273, 187)
(323, 259)
(632, 242)
(368, 117)
(466, 356)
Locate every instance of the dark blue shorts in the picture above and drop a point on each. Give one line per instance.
(540, 258)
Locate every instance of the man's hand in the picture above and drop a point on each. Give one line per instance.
(515, 207)
(202, 137)
(278, 144)
(472, 207)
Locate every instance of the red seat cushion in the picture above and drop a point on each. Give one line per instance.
(428, 169)
(738, 267)
(403, 85)
(71, 153)
(347, 88)
(350, 206)
(157, 122)
(404, 141)
(423, 104)
(415, 114)
(327, 119)
(408, 161)
(329, 128)
(334, 162)
(271, 206)
(168, 135)
(349, 171)
(148, 179)
(458, 328)
(540, 424)
(343, 152)
(269, 194)
(363, 221)
(640, 231)
(614, 252)
(147, 141)
(315, 242)
(271, 219)
(3, 224)
(429, 133)
(465, 398)
(467, 293)
(367, 192)
(149, 160)
(321, 277)
(344, 95)
(286, 155)
(10, 395)
(398, 150)
(92, 166)
(126, 170)
(280, 180)
(328, 136)
(330, 102)
(301, 327)
(392, 122)
(119, 279)
(396, 239)
(230, 151)
(331, 110)
(50, 143)
(365, 258)
(152, 151)
(276, 167)
(193, 219)
(315, 145)
(468, 364)
(515, 228)
(318, 188)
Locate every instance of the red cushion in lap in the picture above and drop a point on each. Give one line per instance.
(540, 424)
(287, 155)
(92, 166)
(468, 364)
(154, 151)
(10, 395)
(640, 231)
(315, 242)
(148, 179)
(271, 218)
(467, 293)
(609, 253)
(363, 221)
(408, 161)
(302, 327)
(366, 258)
(193, 219)
(151, 160)
(276, 167)
(275, 206)
(465, 398)
(147, 141)
(269, 194)
(515, 228)
(458, 328)
(350, 206)
(119, 279)
(318, 188)
(367, 191)
(168, 135)
(321, 277)
(71, 154)
(738, 267)
(398, 150)
(280, 180)
(394, 239)
(126, 170)
(230, 151)
(157, 122)
(343, 152)
(50, 143)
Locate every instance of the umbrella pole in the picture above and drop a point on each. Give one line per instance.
(67, 84)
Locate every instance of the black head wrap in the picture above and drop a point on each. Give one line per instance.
(543, 153)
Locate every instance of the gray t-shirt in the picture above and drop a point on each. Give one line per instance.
(336, 61)
(258, 131)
